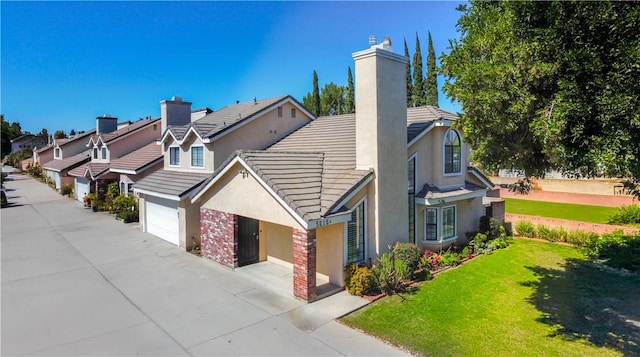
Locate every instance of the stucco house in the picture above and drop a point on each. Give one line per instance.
(109, 143)
(28, 140)
(344, 188)
(63, 155)
(194, 144)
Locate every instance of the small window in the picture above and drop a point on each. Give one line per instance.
(104, 153)
(452, 153)
(293, 112)
(174, 156)
(57, 153)
(95, 153)
(356, 235)
(197, 156)
(448, 222)
(431, 224)
(155, 127)
(279, 112)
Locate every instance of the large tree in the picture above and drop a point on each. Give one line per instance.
(431, 80)
(8, 132)
(417, 96)
(350, 95)
(549, 85)
(332, 99)
(312, 100)
(408, 75)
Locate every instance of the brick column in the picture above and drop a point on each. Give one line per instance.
(304, 264)
(219, 237)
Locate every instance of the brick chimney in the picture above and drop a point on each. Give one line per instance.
(106, 124)
(381, 140)
(174, 112)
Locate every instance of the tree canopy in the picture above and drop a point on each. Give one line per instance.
(431, 79)
(549, 85)
(333, 99)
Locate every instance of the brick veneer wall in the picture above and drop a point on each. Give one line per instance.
(304, 264)
(218, 237)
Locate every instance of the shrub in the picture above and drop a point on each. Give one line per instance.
(626, 215)
(430, 260)
(544, 232)
(349, 269)
(450, 259)
(391, 273)
(125, 208)
(582, 238)
(361, 281)
(409, 253)
(66, 190)
(526, 229)
(618, 250)
(489, 226)
(35, 171)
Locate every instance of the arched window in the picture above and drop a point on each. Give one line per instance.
(452, 153)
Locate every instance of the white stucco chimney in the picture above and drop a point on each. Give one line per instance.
(381, 140)
(174, 112)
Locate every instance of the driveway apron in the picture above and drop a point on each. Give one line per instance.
(75, 282)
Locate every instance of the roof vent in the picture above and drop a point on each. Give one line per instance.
(373, 40)
(255, 101)
(176, 98)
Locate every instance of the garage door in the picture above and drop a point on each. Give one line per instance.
(162, 218)
(82, 188)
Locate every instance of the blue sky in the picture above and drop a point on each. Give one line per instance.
(64, 63)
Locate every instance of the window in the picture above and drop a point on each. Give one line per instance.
(293, 112)
(279, 112)
(448, 222)
(95, 153)
(356, 235)
(57, 153)
(452, 153)
(174, 156)
(431, 224)
(411, 174)
(104, 153)
(197, 156)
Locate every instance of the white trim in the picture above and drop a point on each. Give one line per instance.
(239, 160)
(104, 153)
(179, 160)
(455, 222)
(330, 220)
(345, 234)
(424, 226)
(479, 177)
(135, 172)
(444, 164)
(191, 157)
(443, 200)
(156, 194)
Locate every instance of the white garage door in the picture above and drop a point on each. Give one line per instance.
(162, 218)
(82, 188)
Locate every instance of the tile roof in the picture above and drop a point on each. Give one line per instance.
(124, 130)
(94, 169)
(433, 192)
(313, 168)
(68, 163)
(173, 183)
(224, 118)
(62, 142)
(138, 159)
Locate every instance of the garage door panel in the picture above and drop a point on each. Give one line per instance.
(81, 189)
(162, 218)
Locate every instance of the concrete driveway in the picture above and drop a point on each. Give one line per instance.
(76, 282)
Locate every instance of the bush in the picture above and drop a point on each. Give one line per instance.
(391, 273)
(361, 281)
(125, 208)
(489, 226)
(409, 253)
(626, 215)
(35, 171)
(15, 158)
(582, 238)
(430, 260)
(544, 232)
(66, 190)
(450, 259)
(526, 229)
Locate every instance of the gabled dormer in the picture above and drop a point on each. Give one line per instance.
(115, 140)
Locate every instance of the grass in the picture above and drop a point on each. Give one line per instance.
(584, 213)
(531, 299)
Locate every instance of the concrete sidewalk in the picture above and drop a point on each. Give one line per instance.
(76, 282)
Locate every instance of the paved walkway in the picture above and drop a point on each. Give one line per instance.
(76, 282)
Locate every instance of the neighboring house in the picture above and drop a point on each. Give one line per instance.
(28, 140)
(194, 146)
(136, 165)
(63, 155)
(109, 143)
(344, 188)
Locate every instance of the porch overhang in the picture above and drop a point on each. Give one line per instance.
(440, 199)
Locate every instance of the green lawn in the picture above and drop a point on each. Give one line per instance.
(584, 213)
(531, 299)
